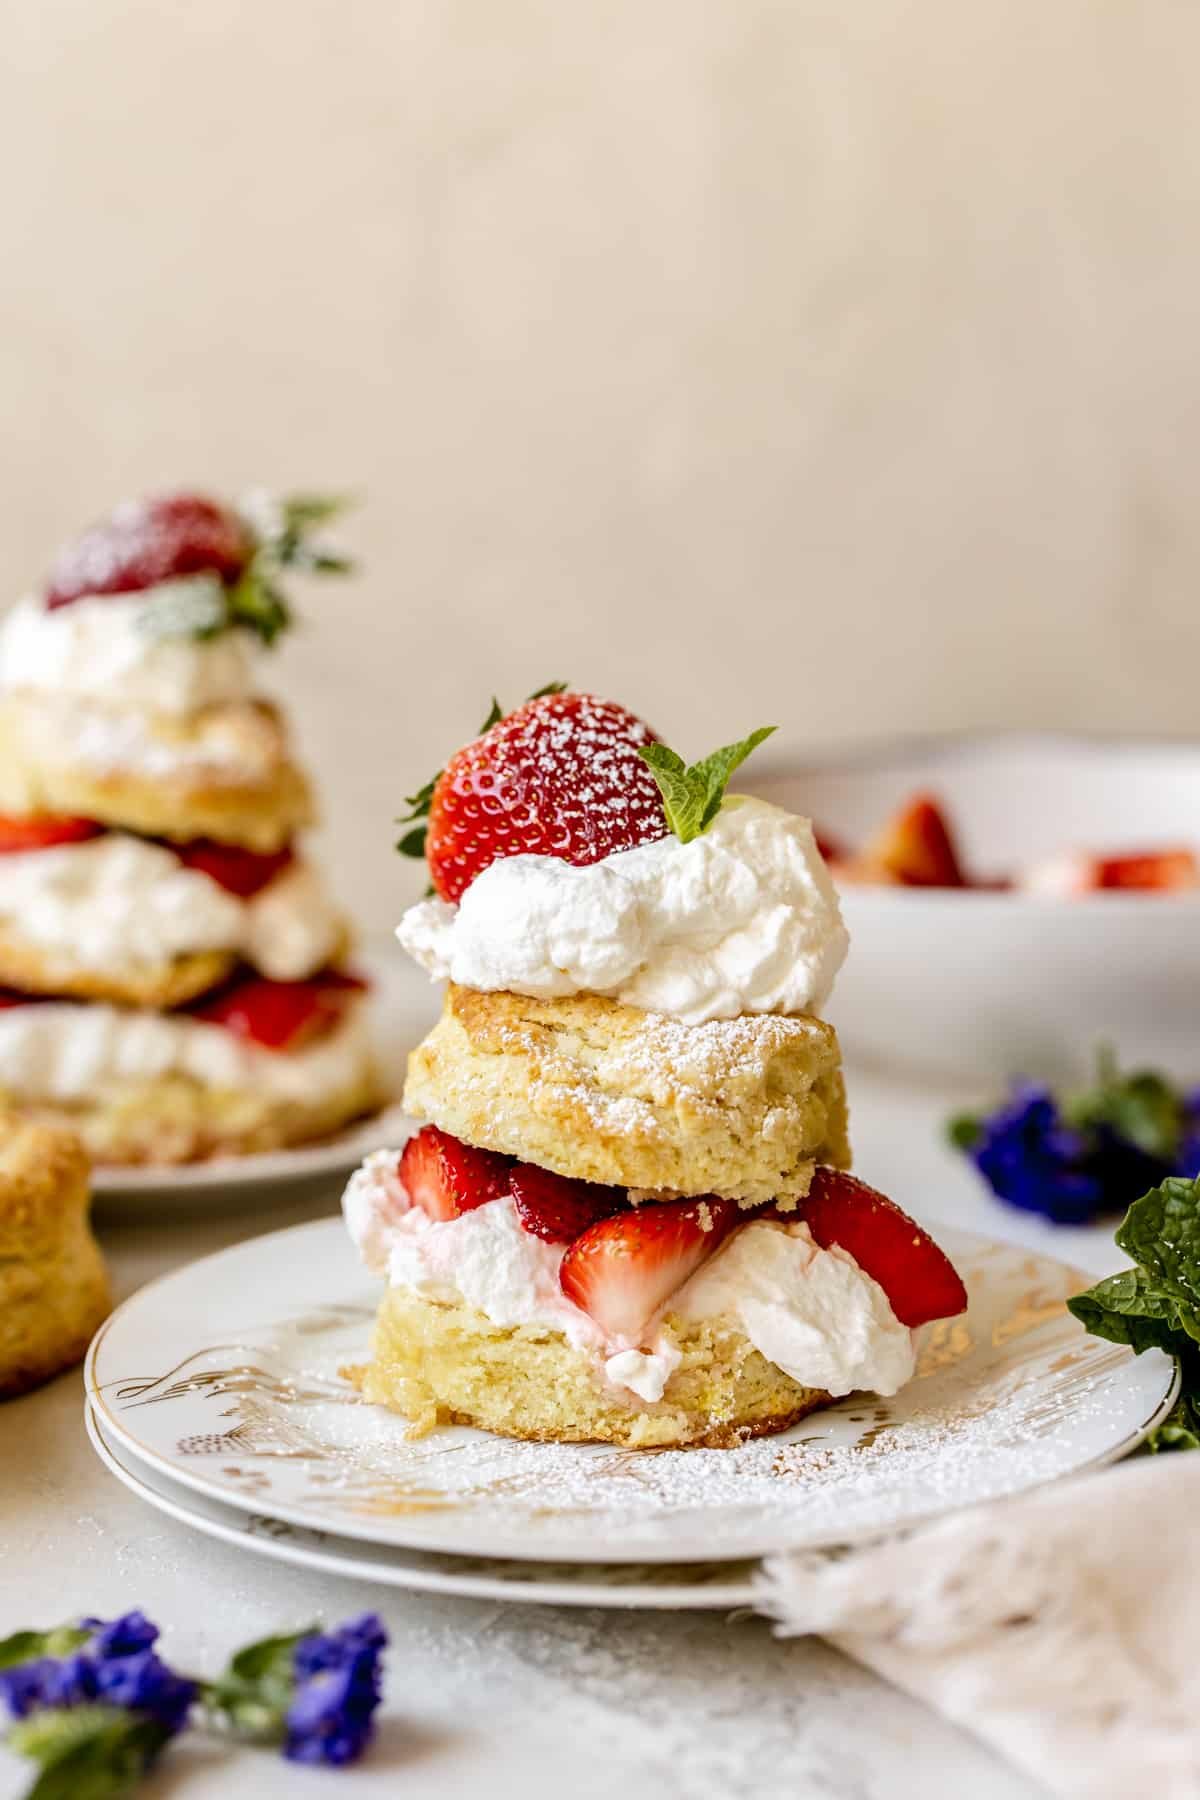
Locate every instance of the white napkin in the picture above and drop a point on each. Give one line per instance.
(1062, 1627)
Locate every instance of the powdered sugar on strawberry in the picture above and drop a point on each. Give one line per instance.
(743, 919)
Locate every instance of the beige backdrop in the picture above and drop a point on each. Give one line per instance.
(829, 361)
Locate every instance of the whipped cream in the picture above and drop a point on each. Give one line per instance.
(744, 919)
(813, 1313)
(99, 648)
(116, 901)
(59, 1051)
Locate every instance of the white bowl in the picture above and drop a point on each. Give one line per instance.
(978, 984)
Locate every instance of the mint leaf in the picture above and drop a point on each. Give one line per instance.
(692, 795)
(1156, 1305)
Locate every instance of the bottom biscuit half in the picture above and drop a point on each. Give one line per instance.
(174, 1119)
(441, 1363)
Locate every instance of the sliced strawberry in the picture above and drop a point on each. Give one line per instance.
(281, 1015)
(41, 831)
(624, 1269)
(561, 777)
(557, 1209)
(241, 872)
(144, 542)
(916, 848)
(918, 1279)
(12, 997)
(1149, 869)
(446, 1177)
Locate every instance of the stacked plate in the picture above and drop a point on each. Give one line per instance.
(215, 1394)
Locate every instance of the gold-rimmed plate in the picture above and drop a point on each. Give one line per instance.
(223, 1376)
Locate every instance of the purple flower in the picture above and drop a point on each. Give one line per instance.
(116, 1667)
(338, 1685)
(22, 1689)
(1029, 1158)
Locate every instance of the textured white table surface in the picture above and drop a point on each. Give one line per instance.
(485, 1698)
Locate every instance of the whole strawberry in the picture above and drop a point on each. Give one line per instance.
(144, 542)
(561, 776)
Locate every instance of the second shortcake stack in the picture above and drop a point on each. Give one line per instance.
(170, 980)
(628, 1219)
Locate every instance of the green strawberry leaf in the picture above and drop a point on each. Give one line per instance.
(412, 843)
(692, 795)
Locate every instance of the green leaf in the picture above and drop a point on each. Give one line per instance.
(1143, 1108)
(1161, 1232)
(269, 1656)
(257, 603)
(963, 1131)
(1127, 1309)
(88, 1753)
(551, 687)
(495, 714)
(27, 1646)
(413, 842)
(692, 795)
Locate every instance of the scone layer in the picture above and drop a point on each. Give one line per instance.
(603, 1092)
(438, 1362)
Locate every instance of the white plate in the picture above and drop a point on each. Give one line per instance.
(662, 1586)
(403, 1006)
(223, 1376)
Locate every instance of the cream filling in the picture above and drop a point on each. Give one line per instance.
(813, 1313)
(100, 648)
(116, 902)
(60, 1051)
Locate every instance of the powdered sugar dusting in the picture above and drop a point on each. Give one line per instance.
(1010, 1396)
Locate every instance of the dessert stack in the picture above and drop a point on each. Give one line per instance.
(628, 1218)
(171, 980)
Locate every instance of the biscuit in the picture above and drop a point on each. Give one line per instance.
(223, 772)
(440, 1362)
(54, 1290)
(590, 1088)
(33, 969)
(172, 1119)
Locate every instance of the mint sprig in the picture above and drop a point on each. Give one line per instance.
(692, 793)
(1156, 1304)
(413, 841)
(284, 533)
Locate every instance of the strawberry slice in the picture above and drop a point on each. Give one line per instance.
(241, 872)
(41, 831)
(281, 1015)
(558, 1209)
(624, 1269)
(918, 1279)
(916, 848)
(147, 541)
(561, 776)
(1149, 869)
(446, 1177)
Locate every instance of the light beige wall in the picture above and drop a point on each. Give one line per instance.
(828, 361)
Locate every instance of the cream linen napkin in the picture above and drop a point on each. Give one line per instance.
(1062, 1627)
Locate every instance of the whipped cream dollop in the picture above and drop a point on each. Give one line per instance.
(101, 648)
(744, 919)
(62, 1051)
(117, 901)
(813, 1313)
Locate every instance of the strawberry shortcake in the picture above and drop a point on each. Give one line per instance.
(628, 1217)
(171, 981)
